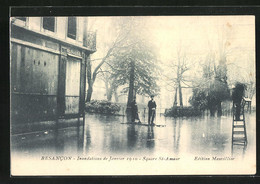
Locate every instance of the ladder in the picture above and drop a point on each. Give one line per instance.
(239, 136)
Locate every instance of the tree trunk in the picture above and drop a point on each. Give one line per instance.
(175, 97)
(131, 91)
(116, 95)
(131, 83)
(212, 111)
(219, 109)
(180, 94)
(110, 93)
(89, 92)
(107, 88)
(110, 90)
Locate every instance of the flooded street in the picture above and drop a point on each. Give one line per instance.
(184, 146)
(107, 135)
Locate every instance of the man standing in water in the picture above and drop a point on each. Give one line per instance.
(151, 111)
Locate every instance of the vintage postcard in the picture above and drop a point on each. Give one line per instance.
(133, 95)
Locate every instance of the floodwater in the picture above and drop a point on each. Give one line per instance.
(102, 135)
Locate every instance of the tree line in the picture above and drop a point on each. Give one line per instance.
(130, 64)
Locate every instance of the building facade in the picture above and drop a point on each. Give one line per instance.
(48, 67)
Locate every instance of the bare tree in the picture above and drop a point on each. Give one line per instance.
(121, 34)
(179, 67)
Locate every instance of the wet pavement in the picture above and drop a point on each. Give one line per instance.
(101, 135)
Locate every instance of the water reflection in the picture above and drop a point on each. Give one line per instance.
(106, 135)
(150, 137)
(176, 135)
(207, 137)
(59, 143)
(86, 139)
(131, 137)
(80, 137)
(238, 149)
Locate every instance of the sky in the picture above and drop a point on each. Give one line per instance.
(196, 33)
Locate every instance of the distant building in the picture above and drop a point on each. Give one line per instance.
(48, 66)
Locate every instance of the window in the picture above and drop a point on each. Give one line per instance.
(48, 23)
(72, 25)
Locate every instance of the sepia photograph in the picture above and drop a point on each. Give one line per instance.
(132, 95)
